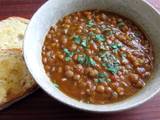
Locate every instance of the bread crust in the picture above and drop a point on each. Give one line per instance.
(18, 98)
(25, 20)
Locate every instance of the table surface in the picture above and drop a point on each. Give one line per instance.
(41, 106)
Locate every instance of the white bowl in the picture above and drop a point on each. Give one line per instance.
(139, 11)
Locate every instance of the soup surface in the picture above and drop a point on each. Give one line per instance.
(97, 57)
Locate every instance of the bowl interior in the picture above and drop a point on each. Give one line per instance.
(137, 10)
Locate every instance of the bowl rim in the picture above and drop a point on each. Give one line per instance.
(76, 106)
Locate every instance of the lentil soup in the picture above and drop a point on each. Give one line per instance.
(97, 57)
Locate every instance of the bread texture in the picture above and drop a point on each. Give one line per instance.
(12, 32)
(15, 79)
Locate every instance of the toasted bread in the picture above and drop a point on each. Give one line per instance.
(15, 79)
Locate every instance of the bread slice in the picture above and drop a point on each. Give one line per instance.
(15, 79)
(12, 32)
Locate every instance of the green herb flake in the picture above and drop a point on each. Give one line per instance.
(66, 50)
(86, 60)
(77, 39)
(67, 59)
(81, 59)
(68, 54)
(110, 62)
(102, 80)
(90, 23)
(100, 37)
(102, 75)
(116, 47)
(113, 68)
(90, 61)
(84, 43)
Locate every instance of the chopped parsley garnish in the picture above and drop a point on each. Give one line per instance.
(90, 61)
(116, 47)
(100, 80)
(100, 37)
(81, 59)
(77, 39)
(113, 68)
(86, 60)
(66, 51)
(67, 59)
(84, 43)
(102, 77)
(68, 54)
(110, 62)
(90, 23)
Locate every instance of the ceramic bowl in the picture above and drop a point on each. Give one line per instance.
(139, 11)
